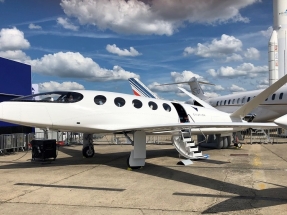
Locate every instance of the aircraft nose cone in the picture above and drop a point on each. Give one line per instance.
(281, 121)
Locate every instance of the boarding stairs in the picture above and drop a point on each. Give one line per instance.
(185, 146)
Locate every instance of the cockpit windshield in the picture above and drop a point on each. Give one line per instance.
(55, 97)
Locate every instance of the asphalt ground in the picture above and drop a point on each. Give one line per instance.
(251, 180)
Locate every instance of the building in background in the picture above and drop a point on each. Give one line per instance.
(15, 81)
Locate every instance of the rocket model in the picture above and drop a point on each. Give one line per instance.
(277, 54)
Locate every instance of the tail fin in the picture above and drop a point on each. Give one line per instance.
(194, 87)
(139, 89)
(249, 106)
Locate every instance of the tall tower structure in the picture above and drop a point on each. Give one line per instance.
(278, 42)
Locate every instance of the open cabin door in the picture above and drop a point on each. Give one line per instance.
(183, 117)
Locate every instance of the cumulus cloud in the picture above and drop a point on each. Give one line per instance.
(217, 48)
(234, 57)
(33, 26)
(252, 54)
(52, 85)
(241, 70)
(70, 64)
(267, 33)
(65, 23)
(164, 88)
(16, 55)
(162, 17)
(235, 88)
(12, 39)
(122, 52)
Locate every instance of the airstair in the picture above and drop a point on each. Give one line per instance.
(185, 146)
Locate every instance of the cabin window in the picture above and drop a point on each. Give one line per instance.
(238, 100)
(248, 99)
(100, 100)
(233, 101)
(224, 102)
(120, 102)
(137, 103)
(229, 101)
(266, 99)
(220, 102)
(243, 100)
(167, 107)
(152, 105)
(273, 96)
(281, 96)
(217, 103)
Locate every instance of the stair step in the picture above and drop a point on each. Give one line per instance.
(187, 139)
(197, 153)
(192, 149)
(190, 144)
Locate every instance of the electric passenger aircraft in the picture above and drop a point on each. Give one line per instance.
(108, 112)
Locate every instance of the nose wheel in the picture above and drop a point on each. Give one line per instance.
(238, 145)
(88, 151)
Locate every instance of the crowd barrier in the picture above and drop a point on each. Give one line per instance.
(12, 142)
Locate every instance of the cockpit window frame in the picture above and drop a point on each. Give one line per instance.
(64, 97)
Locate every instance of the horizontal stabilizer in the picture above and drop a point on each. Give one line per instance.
(249, 106)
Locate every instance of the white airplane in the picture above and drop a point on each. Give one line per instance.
(271, 108)
(108, 112)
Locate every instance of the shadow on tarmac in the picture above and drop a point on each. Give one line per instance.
(240, 198)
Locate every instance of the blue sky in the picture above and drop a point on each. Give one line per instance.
(99, 44)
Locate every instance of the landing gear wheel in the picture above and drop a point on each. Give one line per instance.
(132, 167)
(238, 145)
(88, 151)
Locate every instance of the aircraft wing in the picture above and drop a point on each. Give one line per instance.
(180, 126)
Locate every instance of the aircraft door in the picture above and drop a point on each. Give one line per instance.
(183, 117)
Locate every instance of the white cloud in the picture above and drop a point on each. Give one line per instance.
(184, 76)
(12, 39)
(241, 70)
(211, 94)
(66, 24)
(52, 85)
(70, 64)
(33, 26)
(234, 57)
(268, 32)
(165, 88)
(2, 1)
(235, 88)
(217, 48)
(252, 54)
(155, 16)
(16, 55)
(122, 52)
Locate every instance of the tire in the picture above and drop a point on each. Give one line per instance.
(132, 167)
(88, 151)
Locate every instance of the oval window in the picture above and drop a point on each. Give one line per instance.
(166, 107)
(243, 100)
(152, 105)
(100, 100)
(137, 103)
(120, 102)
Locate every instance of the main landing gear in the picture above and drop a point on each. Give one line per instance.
(88, 150)
(136, 159)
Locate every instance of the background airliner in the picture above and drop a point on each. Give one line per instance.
(274, 106)
(108, 112)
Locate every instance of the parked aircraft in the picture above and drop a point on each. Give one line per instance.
(108, 112)
(274, 106)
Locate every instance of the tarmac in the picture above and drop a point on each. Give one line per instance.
(250, 180)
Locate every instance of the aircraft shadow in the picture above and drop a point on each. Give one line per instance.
(240, 198)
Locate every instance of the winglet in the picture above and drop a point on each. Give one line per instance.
(249, 106)
(198, 100)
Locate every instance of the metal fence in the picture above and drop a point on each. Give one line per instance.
(12, 142)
